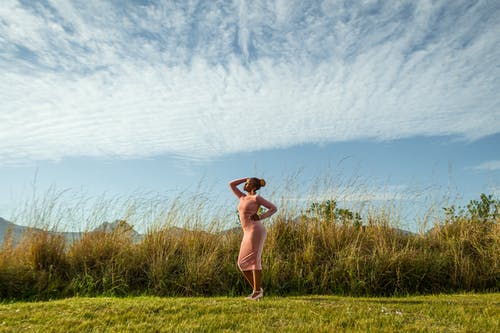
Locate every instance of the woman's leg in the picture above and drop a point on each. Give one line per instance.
(249, 277)
(257, 280)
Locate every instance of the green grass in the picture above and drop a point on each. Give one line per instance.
(190, 249)
(442, 313)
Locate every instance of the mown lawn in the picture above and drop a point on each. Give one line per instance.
(442, 313)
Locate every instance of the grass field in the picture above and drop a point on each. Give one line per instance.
(314, 249)
(441, 313)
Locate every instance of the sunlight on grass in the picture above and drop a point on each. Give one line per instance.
(452, 313)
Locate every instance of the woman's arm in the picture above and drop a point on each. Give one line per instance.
(233, 185)
(271, 208)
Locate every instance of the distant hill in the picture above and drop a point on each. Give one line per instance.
(110, 227)
(17, 231)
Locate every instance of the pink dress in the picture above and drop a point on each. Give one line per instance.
(254, 232)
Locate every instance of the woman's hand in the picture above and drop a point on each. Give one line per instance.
(255, 217)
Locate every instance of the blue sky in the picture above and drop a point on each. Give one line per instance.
(162, 95)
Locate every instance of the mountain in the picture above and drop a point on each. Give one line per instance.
(118, 224)
(8, 227)
(15, 232)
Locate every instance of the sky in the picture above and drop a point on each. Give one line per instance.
(124, 96)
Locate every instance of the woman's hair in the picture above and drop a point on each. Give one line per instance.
(258, 182)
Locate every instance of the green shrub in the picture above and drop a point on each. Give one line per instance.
(326, 250)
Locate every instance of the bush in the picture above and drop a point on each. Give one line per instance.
(324, 250)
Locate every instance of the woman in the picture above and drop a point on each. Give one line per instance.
(254, 232)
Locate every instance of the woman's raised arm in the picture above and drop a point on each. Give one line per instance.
(234, 187)
(271, 208)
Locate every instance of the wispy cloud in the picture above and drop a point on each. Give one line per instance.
(489, 166)
(201, 79)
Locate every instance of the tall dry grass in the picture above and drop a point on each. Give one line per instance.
(190, 248)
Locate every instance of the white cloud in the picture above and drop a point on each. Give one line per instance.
(204, 79)
(489, 166)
